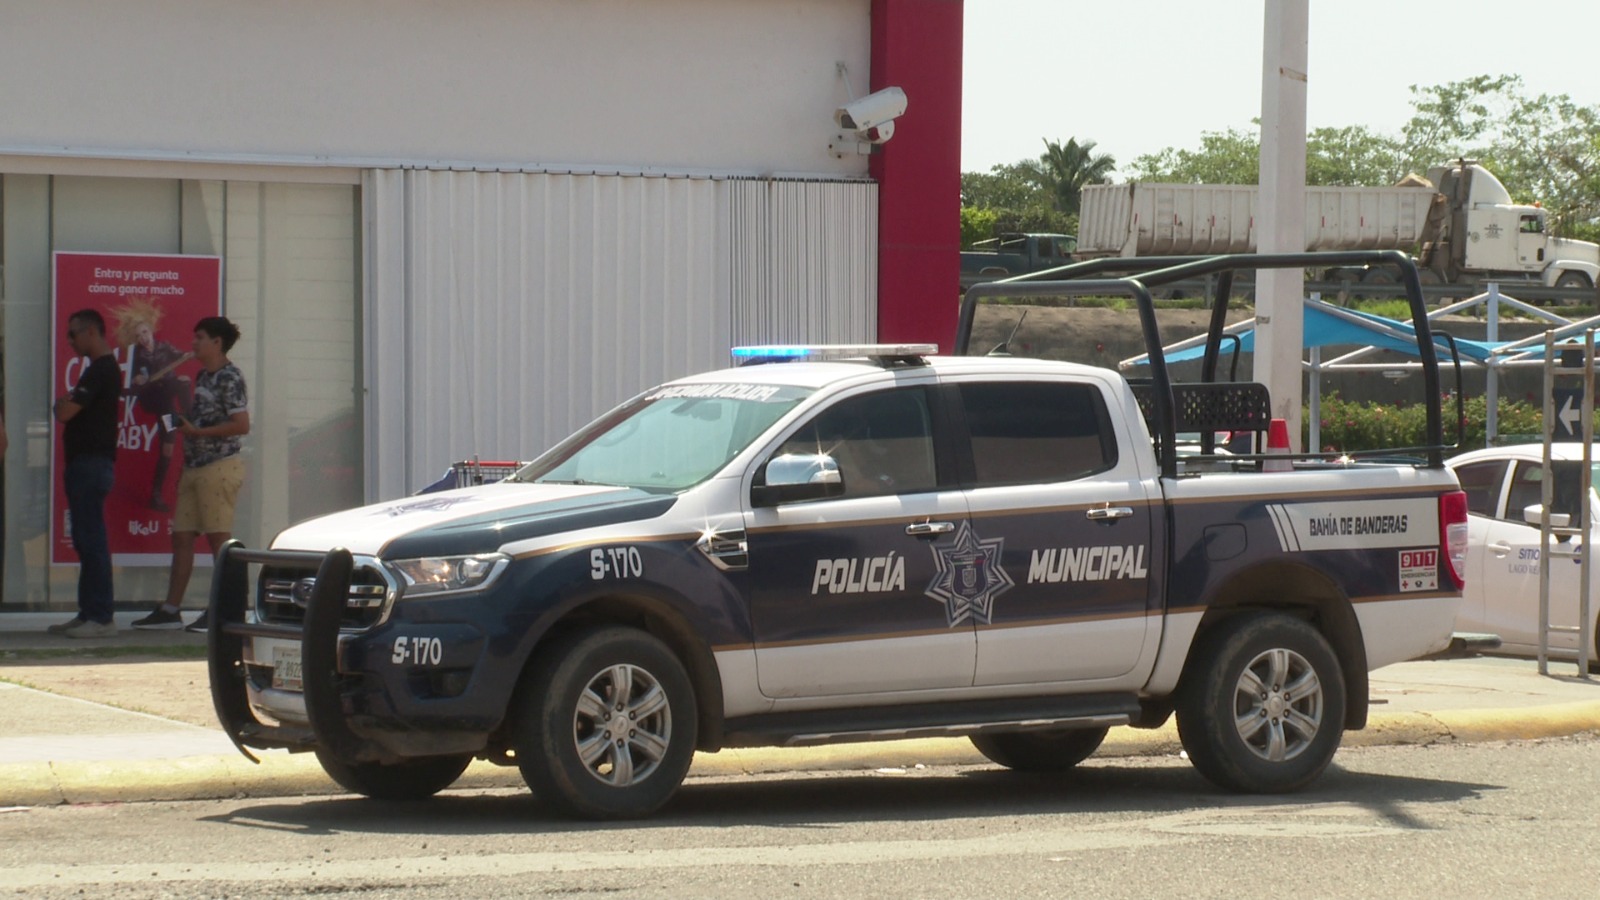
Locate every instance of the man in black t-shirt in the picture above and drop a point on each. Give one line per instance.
(89, 437)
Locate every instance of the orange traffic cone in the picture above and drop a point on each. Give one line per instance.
(1277, 442)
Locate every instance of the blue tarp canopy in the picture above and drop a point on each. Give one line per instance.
(1326, 324)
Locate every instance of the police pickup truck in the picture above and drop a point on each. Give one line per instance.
(843, 544)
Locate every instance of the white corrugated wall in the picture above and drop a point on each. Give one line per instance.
(506, 309)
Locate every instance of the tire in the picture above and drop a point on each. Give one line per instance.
(1347, 280)
(414, 779)
(1055, 750)
(1379, 277)
(1238, 736)
(1573, 280)
(1594, 661)
(578, 758)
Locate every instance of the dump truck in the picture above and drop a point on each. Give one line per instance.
(1460, 223)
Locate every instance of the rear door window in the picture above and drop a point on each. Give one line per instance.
(1482, 483)
(1037, 432)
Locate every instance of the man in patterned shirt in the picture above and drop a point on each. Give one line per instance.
(213, 471)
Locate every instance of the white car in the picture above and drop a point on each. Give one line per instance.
(1504, 488)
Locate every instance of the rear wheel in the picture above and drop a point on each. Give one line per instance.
(606, 724)
(1594, 661)
(1055, 750)
(413, 779)
(1262, 706)
(1378, 277)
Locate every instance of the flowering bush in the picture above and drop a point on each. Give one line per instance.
(1370, 426)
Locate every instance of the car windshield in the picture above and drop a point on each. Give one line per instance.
(1568, 487)
(1527, 489)
(667, 439)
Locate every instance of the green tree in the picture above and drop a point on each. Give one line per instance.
(1021, 196)
(978, 224)
(1009, 186)
(1352, 156)
(1455, 119)
(1224, 157)
(1064, 169)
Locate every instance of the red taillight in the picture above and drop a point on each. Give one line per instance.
(1453, 534)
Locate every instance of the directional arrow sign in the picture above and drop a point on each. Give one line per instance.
(1570, 415)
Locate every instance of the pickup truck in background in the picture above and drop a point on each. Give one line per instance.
(839, 544)
(1014, 254)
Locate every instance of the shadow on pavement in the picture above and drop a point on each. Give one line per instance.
(812, 801)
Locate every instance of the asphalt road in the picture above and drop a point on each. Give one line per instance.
(1483, 820)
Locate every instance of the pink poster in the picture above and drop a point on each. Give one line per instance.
(150, 303)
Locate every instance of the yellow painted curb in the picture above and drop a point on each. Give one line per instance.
(1478, 725)
(281, 774)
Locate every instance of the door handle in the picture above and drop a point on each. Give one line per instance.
(1500, 548)
(1107, 513)
(918, 529)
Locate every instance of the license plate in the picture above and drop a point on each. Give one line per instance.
(286, 668)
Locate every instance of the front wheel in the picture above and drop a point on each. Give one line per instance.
(606, 727)
(1055, 750)
(1262, 706)
(413, 779)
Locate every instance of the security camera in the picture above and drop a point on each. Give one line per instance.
(875, 109)
(867, 122)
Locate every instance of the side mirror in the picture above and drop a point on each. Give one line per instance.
(798, 477)
(1533, 514)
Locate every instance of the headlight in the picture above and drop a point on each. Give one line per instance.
(431, 575)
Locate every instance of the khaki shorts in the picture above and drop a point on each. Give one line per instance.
(206, 496)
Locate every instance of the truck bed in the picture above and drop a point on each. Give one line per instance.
(1150, 219)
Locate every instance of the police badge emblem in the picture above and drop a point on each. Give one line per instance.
(969, 576)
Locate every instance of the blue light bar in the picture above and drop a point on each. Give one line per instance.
(832, 351)
(770, 350)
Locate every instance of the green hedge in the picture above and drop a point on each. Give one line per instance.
(1362, 426)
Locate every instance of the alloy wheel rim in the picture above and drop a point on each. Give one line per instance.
(1278, 705)
(622, 726)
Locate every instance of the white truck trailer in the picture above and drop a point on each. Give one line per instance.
(1460, 224)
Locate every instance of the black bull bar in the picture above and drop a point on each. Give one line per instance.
(319, 652)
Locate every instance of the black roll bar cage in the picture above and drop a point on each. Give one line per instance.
(1144, 273)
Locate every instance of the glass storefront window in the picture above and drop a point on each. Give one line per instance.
(291, 281)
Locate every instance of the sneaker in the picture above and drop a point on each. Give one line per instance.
(160, 620)
(93, 630)
(200, 625)
(64, 627)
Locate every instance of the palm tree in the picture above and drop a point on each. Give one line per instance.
(1063, 170)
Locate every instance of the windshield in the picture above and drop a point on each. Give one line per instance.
(667, 439)
(1569, 487)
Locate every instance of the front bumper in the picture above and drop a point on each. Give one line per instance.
(385, 691)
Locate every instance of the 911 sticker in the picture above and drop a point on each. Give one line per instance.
(1419, 570)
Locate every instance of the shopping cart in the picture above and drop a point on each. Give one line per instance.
(473, 472)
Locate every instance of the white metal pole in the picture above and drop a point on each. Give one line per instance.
(1491, 391)
(1280, 320)
(1314, 427)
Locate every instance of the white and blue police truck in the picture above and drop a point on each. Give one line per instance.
(842, 544)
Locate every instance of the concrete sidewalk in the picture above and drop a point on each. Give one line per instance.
(57, 748)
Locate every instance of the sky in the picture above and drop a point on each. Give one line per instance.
(1137, 76)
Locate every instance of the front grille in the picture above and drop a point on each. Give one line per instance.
(282, 595)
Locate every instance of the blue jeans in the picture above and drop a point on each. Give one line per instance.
(88, 480)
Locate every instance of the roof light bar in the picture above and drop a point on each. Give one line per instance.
(815, 352)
